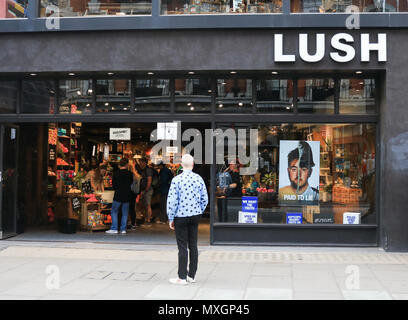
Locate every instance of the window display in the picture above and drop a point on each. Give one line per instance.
(77, 8)
(13, 9)
(332, 6)
(307, 173)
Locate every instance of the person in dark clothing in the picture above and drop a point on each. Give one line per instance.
(121, 182)
(165, 176)
(146, 188)
(133, 197)
(236, 184)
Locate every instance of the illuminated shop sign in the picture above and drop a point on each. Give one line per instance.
(341, 48)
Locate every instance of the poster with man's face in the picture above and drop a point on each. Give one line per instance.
(299, 167)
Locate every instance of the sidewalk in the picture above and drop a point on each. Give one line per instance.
(91, 271)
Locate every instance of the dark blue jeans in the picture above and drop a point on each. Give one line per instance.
(114, 213)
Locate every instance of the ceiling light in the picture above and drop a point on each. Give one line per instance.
(359, 72)
(221, 105)
(192, 108)
(106, 104)
(224, 83)
(150, 73)
(209, 91)
(191, 72)
(33, 74)
(71, 74)
(189, 104)
(90, 91)
(240, 104)
(233, 72)
(274, 72)
(110, 73)
(79, 93)
(288, 108)
(88, 104)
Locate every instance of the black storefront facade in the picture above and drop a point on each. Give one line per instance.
(227, 52)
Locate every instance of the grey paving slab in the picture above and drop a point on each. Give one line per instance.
(268, 294)
(219, 294)
(118, 276)
(7, 283)
(84, 287)
(142, 276)
(125, 291)
(366, 295)
(392, 275)
(172, 292)
(32, 289)
(267, 269)
(344, 270)
(315, 285)
(278, 282)
(362, 283)
(396, 286)
(310, 295)
(97, 274)
(400, 296)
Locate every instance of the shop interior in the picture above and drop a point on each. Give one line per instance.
(342, 175)
(60, 199)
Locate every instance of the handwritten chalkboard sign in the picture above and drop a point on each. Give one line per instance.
(76, 204)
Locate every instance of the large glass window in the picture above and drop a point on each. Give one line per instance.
(75, 8)
(38, 96)
(193, 95)
(152, 95)
(315, 96)
(304, 173)
(13, 8)
(113, 95)
(357, 96)
(220, 6)
(324, 6)
(234, 95)
(75, 96)
(8, 96)
(274, 95)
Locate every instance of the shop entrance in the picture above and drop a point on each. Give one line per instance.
(8, 176)
(77, 162)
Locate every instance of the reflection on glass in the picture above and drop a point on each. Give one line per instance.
(338, 168)
(75, 96)
(274, 95)
(357, 96)
(38, 97)
(324, 6)
(220, 6)
(94, 7)
(192, 95)
(8, 96)
(13, 8)
(113, 95)
(315, 96)
(234, 95)
(152, 95)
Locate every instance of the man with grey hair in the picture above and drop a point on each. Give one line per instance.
(186, 202)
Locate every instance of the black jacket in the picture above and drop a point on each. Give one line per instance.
(122, 181)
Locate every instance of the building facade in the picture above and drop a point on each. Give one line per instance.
(293, 70)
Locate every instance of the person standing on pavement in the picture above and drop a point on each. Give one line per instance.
(121, 182)
(165, 176)
(146, 187)
(186, 202)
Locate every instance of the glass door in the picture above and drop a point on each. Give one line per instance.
(8, 176)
